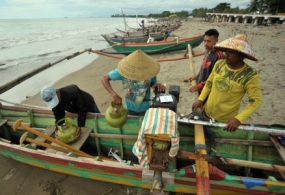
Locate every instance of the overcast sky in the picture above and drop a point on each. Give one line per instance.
(101, 8)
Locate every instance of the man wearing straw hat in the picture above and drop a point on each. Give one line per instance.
(229, 81)
(137, 72)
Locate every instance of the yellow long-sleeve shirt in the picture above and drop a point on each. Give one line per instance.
(226, 88)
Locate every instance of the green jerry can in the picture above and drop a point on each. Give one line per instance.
(116, 115)
(66, 131)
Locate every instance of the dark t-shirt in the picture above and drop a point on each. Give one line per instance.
(208, 63)
(74, 100)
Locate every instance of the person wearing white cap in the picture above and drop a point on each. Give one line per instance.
(229, 81)
(137, 72)
(70, 98)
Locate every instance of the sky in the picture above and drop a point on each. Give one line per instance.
(17, 9)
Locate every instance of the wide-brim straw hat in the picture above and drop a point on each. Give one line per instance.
(238, 43)
(138, 66)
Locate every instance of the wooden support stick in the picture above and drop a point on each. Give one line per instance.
(202, 168)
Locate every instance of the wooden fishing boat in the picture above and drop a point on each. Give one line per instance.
(156, 47)
(138, 38)
(99, 141)
(116, 56)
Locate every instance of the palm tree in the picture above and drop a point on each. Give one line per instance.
(275, 6)
(253, 6)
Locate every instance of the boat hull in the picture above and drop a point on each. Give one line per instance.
(156, 47)
(104, 137)
(139, 39)
(114, 172)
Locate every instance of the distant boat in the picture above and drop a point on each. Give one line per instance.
(139, 38)
(156, 47)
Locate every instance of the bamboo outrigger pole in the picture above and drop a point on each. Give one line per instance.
(231, 161)
(24, 77)
(116, 56)
(272, 130)
(202, 168)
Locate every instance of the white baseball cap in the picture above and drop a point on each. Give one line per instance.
(49, 96)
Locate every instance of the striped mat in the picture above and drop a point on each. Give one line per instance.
(157, 121)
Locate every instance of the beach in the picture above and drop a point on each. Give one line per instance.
(268, 47)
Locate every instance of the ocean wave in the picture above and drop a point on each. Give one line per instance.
(46, 36)
(31, 58)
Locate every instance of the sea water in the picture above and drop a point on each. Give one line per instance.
(28, 44)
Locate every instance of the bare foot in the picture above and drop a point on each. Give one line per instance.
(186, 80)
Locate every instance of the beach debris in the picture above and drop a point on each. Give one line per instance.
(114, 154)
(282, 64)
(107, 191)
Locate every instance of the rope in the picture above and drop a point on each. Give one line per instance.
(23, 105)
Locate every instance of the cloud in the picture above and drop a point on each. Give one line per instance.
(99, 8)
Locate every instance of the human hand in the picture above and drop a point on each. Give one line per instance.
(232, 125)
(159, 86)
(56, 135)
(190, 79)
(197, 105)
(193, 89)
(117, 100)
(78, 132)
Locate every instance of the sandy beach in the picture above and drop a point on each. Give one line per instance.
(268, 47)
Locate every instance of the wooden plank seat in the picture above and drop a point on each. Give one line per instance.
(85, 132)
(4, 140)
(49, 131)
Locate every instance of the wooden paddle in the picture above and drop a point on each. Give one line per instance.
(202, 169)
(18, 124)
(46, 145)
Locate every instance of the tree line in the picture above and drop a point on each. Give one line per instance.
(254, 6)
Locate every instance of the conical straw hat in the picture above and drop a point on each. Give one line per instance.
(138, 66)
(239, 43)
